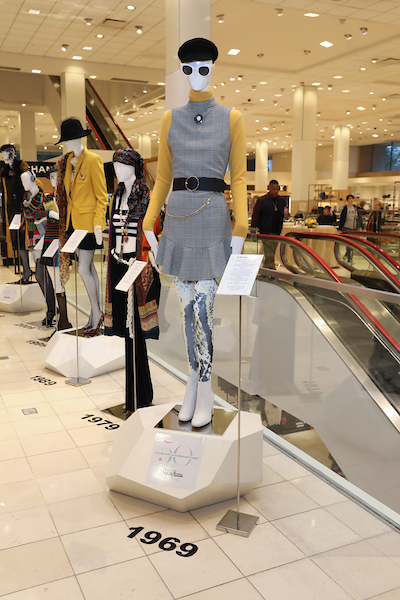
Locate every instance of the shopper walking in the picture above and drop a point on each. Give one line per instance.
(268, 217)
(350, 218)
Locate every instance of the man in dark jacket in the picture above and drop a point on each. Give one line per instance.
(268, 217)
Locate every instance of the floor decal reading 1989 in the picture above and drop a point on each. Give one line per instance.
(168, 544)
(100, 421)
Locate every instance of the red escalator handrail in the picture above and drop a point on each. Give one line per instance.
(364, 310)
(350, 242)
(370, 234)
(109, 114)
(96, 132)
(386, 256)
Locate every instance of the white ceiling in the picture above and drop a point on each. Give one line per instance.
(252, 26)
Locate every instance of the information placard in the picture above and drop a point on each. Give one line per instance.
(130, 276)
(175, 460)
(51, 250)
(15, 223)
(240, 274)
(9, 292)
(74, 241)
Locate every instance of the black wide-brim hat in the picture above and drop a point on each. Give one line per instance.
(198, 49)
(7, 147)
(71, 129)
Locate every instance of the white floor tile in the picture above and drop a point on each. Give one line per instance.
(19, 387)
(26, 526)
(132, 580)
(11, 449)
(360, 569)
(266, 548)
(84, 513)
(279, 500)
(7, 431)
(199, 570)
(98, 454)
(68, 392)
(240, 589)
(55, 463)
(71, 405)
(301, 580)
(103, 401)
(162, 393)
(69, 485)
(32, 564)
(16, 469)
(76, 420)
(286, 466)
(318, 490)
(100, 547)
(20, 399)
(358, 519)
(21, 495)
(43, 410)
(131, 508)
(43, 425)
(392, 595)
(102, 388)
(209, 516)
(47, 442)
(316, 531)
(268, 477)
(4, 416)
(87, 436)
(63, 589)
(388, 544)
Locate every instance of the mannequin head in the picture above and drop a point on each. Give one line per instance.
(28, 181)
(124, 172)
(74, 145)
(9, 153)
(127, 157)
(52, 175)
(197, 57)
(72, 133)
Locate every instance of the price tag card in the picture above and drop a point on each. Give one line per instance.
(15, 223)
(240, 274)
(74, 241)
(130, 276)
(51, 250)
(39, 245)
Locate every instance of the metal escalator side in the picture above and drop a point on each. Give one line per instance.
(109, 134)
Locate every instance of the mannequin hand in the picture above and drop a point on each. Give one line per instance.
(237, 244)
(98, 234)
(54, 215)
(151, 238)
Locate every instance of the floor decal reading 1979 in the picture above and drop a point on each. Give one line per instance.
(100, 421)
(168, 544)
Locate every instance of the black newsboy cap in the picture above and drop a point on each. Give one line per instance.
(198, 49)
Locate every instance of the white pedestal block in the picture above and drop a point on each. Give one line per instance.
(10, 297)
(181, 468)
(97, 355)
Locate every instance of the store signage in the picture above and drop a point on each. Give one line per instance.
(41, 168)
(9, 292)
(99, 421)
(51, 250)
(175, 460)
(240, 274)
(168, 544)
(15, 223)
(130, 276)
(74, 240)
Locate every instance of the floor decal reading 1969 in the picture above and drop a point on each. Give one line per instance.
(100, 421)
(168, 544)
(41, 379)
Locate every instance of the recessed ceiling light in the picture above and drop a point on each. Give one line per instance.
(54, 136)
(41, 114)
(45, 147)
(375, 135)
(279, 11)
(311, 14)
(348, 36)
(220, 18)
(139, 29)
(326, 44)
(383, 99)
(233, 51)
(360, 107)
(23, 104)
(363, 69)
(257, 120)
(32, 11)
(100, 36)
(88, 47)
(261, 99)
(36, 71)
(231, 79)
(338, 77)
(263, 82)
(374, 60)
(364, 30)
(316, 84)
(237, 90)
(346, 91)
(130, 7)
(88, 22)
(277, 95)
(77, 58)
(265, 128)
(92, 76)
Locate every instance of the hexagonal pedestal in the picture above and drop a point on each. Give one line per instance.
(97, 355)
(16, 298)
(157, 458)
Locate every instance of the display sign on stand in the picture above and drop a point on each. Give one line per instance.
(70, 247)
(238, 280)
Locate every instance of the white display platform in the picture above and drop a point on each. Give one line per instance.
(181, 468)
(97, 355)
(10, 297)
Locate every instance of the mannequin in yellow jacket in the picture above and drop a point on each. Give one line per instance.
(197, 57)
(86, 193)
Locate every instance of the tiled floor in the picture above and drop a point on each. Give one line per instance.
(64, 535)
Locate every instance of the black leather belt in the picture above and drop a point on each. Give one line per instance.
(203, 184)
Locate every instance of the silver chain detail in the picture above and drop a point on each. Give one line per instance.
(196, 212)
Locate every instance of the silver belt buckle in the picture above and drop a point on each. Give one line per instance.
(187, 183)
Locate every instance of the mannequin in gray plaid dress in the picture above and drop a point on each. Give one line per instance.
(199, 139)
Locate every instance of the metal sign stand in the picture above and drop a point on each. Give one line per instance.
(133, 352)
(237, 522)
(22, 312)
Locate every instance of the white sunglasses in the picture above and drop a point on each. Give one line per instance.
(203, 70)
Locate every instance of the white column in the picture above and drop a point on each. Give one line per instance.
(145, 145)
(185, 19)
(303, 154)
(340, 165)
(28, 136)
(4, 137)
(261, 166)
(73, 97)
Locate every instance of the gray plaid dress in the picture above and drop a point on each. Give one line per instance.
(197, 247)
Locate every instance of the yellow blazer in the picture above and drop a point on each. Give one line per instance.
(87, 201)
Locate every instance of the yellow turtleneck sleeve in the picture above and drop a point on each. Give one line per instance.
(237, 164)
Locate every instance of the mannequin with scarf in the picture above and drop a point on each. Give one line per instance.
(197, 141)
(13, 194)
(82, 200)
(127, 242)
